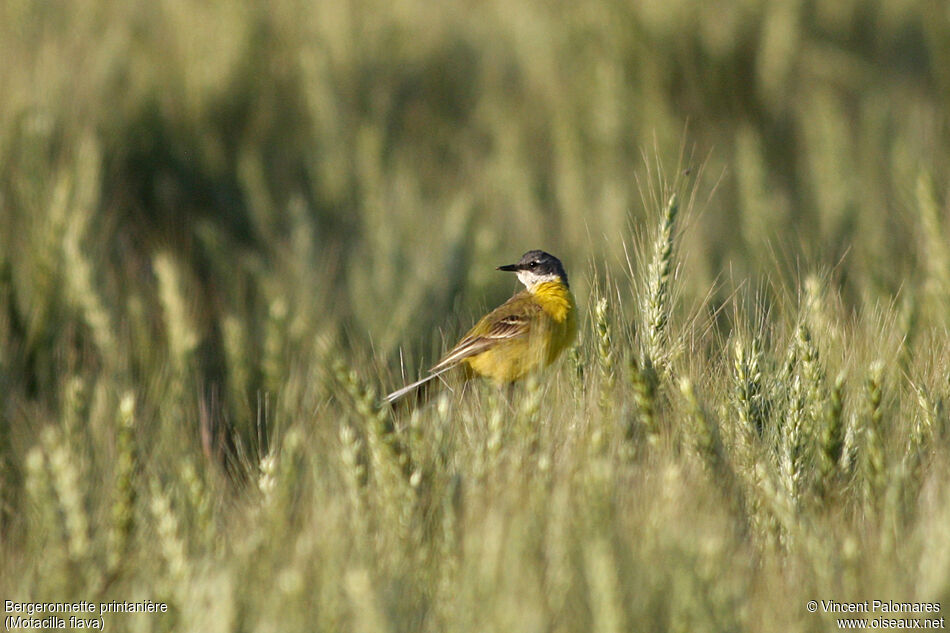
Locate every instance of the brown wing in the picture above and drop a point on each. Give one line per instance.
(508, 321)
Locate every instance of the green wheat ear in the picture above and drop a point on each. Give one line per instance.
(123, 507)
(605, 352)
(180, 330)
(704, 430)
(832, 433)
(874, 461)
(657, 303)
(65, 477)
(793, 440)
(644, 380)
(748, 388)
(168, 531)
(386, 446)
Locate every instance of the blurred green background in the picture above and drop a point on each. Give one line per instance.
(376, 161)
(208, 204)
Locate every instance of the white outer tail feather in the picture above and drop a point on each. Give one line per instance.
(399, 393)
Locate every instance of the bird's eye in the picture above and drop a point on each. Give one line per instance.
(533, 264)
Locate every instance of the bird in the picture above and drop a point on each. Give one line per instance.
(525, 333)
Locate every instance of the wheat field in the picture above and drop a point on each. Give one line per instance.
(227, 229)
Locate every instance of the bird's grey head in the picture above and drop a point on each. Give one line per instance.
(537, 267)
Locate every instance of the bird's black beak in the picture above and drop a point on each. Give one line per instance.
(509, 267)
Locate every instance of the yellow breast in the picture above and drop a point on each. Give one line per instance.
(552, 329)
(557, 302)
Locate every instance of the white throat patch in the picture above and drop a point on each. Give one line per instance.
(531, 279)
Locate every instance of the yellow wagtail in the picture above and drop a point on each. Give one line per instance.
(526, 332)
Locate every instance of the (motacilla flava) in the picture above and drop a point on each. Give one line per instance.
(528, 331)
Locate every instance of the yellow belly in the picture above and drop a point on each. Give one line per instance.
(552, 331)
